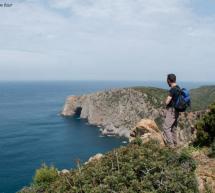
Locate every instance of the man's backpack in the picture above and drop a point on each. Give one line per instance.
(183, 100)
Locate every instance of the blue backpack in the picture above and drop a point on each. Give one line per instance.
(183, 101)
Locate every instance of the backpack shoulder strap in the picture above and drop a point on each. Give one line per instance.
(178, 89)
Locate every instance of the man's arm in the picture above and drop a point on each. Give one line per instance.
(168, 99)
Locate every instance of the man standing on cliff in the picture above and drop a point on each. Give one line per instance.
(170, 123)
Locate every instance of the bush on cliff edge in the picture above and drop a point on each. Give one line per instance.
(206, 128)
(45, 176)
(136, 168)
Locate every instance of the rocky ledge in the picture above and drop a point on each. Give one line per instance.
(117, 111)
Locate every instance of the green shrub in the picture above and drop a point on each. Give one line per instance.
(45, 175)
(206, 128)
(212, 150)
(136, 168)
(137, 141)
(202, 97)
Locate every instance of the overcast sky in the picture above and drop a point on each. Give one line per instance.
(107, 40)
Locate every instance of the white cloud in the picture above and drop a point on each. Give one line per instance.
(108, 39)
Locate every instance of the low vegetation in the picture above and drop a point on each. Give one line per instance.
(45, 175)
(135, 168)
(156, 96)
(206, 129)
(212, 150)
(202, 97)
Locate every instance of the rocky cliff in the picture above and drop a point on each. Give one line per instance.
(117, 111)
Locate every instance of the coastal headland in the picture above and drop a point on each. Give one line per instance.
(118, 111)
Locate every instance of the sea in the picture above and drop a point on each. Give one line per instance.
(32, 132)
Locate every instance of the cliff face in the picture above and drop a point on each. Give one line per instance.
(117, 111)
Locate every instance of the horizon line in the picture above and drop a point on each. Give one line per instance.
(102, 80)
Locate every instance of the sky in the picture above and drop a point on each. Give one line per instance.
(107, 40)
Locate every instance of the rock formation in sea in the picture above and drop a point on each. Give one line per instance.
(117, 111)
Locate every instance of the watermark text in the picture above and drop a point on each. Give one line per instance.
(6, 5)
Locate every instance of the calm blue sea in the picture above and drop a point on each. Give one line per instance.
(32, 132)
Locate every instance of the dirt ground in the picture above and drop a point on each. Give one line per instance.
(205, 171)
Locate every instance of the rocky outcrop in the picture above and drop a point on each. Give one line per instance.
(63, 172)
(147, 130)
(94, 158)
(205, 171)
(116, 111)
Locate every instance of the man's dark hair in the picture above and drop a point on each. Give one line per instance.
(171, 78)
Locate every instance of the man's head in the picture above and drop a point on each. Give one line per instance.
(171, 79)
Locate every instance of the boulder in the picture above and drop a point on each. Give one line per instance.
(96, 157)
(147, 129)
(63, 172)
